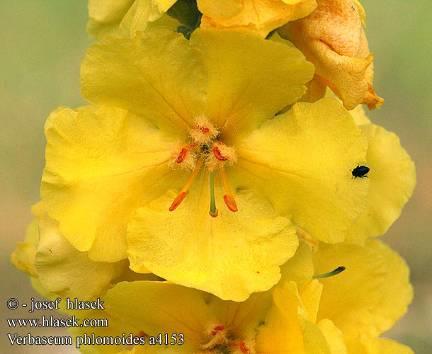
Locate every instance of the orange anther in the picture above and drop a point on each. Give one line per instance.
(228, 196)
(217, 329)
(204, 130)
(183, 192)
(177, 201)
(182, 155)
(230, 202)
(217, 153)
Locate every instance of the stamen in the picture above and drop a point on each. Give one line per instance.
(217, 329)
(182, 155)
(228, 196)
(213, 210)
(330, 274)
(218, 154)
(177, 201)
(243, 348)
(184, 191)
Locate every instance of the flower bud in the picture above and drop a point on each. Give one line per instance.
(334, 40)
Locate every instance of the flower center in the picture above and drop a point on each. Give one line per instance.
(205, 150)
(222, 341)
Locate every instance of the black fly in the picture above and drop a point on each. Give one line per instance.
(360, 171)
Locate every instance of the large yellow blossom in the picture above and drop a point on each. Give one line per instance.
(124, 16)
(336, 315)
(199, 134)
(261, 16)
(333, 39)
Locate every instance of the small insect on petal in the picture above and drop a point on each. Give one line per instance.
(360, 171)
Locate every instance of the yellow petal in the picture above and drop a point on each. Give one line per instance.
(220, 9)
(311, 295)
(392, 179)
(260, 16)
(124, 17)
(156, 75)
(333, 336)
(367, 345)
(314, 339)
(361, 300)
(231, 255)
(107, 11)
(333, 38)
(65, 271)
(243, 89)
(141, 14)
(158, 307)
(101, 164)
(359, 115)
(281, 323)
(23, 257)
(162, 307)
(299, 268)
(302, 161)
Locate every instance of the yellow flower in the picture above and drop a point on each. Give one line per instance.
(261, 16)
(342, 314)
(57, 268)
(333, 39)
(198, 133)
(124, 16)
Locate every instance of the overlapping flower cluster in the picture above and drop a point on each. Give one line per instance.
(223, 168)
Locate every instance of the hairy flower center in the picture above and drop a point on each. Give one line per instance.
(221, 341)
(205, 150)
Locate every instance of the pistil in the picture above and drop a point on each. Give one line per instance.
(213, 210)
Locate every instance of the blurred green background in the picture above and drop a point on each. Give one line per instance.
(42, 42)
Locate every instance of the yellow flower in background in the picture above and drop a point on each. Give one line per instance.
(59, 269)
(261, 16)
(198, 134)
(334, 40)
(124, 16)
(345, 313)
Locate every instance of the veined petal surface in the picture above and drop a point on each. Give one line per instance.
(101, 164)
(302, 161)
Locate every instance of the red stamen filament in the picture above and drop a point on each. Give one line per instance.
(184, 191)
(228, 196)
(217, 153)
